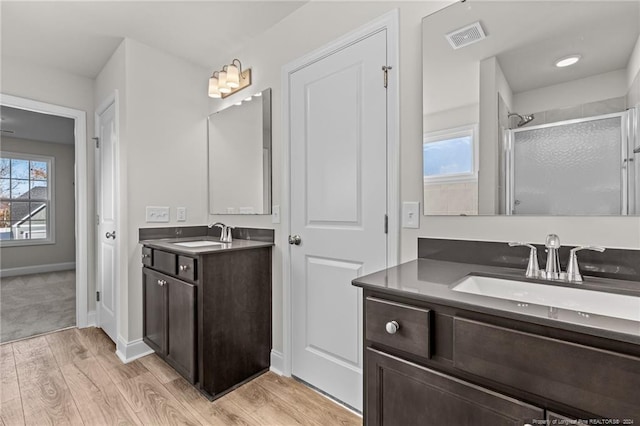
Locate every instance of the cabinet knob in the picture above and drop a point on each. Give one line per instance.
(392, 327)
(161, 282)
(183, 267)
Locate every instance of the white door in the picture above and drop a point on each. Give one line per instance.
(106, 210)
(338, 208)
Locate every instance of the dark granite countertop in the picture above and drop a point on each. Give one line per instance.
(432, 281)
(168, 244)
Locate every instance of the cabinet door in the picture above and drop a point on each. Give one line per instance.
(401, 393)
(154, 323)
(181, 309)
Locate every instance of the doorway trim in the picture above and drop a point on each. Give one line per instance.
(281, 362)
(81, 195)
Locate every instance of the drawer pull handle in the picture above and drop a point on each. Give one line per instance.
(392, 327)
(183, 267)
(161, 282)
(145, 255)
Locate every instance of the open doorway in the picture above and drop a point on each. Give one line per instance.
(43, 273)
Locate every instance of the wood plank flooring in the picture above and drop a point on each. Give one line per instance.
(74, 377)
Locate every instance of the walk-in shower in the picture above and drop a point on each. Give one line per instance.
(585, 166)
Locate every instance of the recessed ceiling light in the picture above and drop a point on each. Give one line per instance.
(567, 61)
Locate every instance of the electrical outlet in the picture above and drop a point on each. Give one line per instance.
(411, 214)
(157, 214)
(181, 214)
(275, 214)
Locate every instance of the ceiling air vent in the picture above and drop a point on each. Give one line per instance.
(466, 35)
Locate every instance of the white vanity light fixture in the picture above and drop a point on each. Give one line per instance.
(568, 61)
(230, 79)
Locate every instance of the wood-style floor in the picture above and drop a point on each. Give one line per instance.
(74, 377)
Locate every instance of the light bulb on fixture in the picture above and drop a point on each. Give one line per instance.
(214, 92)
(567, 61)
(222, 82)
(233, 75)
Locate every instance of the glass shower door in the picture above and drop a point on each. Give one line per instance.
(569, 168)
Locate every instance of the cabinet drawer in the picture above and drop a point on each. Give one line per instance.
(413, 323)
(187, 268)
(165, 262)
(147, 256)
(403, 393)
(593, 380)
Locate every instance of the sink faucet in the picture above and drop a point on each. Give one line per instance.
(552, 270)
(225, 231)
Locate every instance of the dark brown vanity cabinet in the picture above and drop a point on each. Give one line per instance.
(169, 321)
(431, 364)
(209, 315)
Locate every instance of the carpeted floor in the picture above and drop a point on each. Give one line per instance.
(36, 304)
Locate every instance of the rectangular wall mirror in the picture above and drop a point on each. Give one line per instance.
(240, 157)
(531, 108)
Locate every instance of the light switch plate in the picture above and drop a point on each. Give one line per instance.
(157, 214)
(411, 214)
(275, 214)
(181, 214)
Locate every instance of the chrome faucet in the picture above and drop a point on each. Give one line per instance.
(552, 270)
(533, 270)
(225, 231)
(573, 270)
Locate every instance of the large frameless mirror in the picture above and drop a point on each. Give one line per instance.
(531, 108)
(240, 157)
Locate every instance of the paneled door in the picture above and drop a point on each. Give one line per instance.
(338, 138)
(106, 211)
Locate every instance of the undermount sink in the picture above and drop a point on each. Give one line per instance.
(571, 298)
(198, 243)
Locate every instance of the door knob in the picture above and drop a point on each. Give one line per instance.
(111, 235)
(392, 327)
(295, 239)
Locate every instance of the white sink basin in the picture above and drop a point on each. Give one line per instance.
(571, 298)
(198, 243)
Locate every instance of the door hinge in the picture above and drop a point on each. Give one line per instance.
(97, 219)
(385, 70)
(97, 142)
(386, 223)
(97, 296)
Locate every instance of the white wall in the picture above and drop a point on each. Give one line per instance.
(633, 77)
(33, 81)
(162, 153)
(585, 90)
(451, 118)
(166, 151)
(64, 250)
(318, 23)
(111, 81)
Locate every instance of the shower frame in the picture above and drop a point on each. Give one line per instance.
(628, 130)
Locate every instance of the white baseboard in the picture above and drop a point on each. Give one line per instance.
(91, 319)
(37, 269)
(130, 351)
(277, 362)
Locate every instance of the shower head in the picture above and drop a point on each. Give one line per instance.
(524, 119)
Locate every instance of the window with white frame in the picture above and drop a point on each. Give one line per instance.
(451, 155)
(26, 199)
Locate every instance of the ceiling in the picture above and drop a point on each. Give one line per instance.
(80, 36)
(527, 37)
(23, 124)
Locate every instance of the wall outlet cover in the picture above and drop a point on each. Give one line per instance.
(275, 214)
(411, 214)
(157, 214)
(181, 214)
